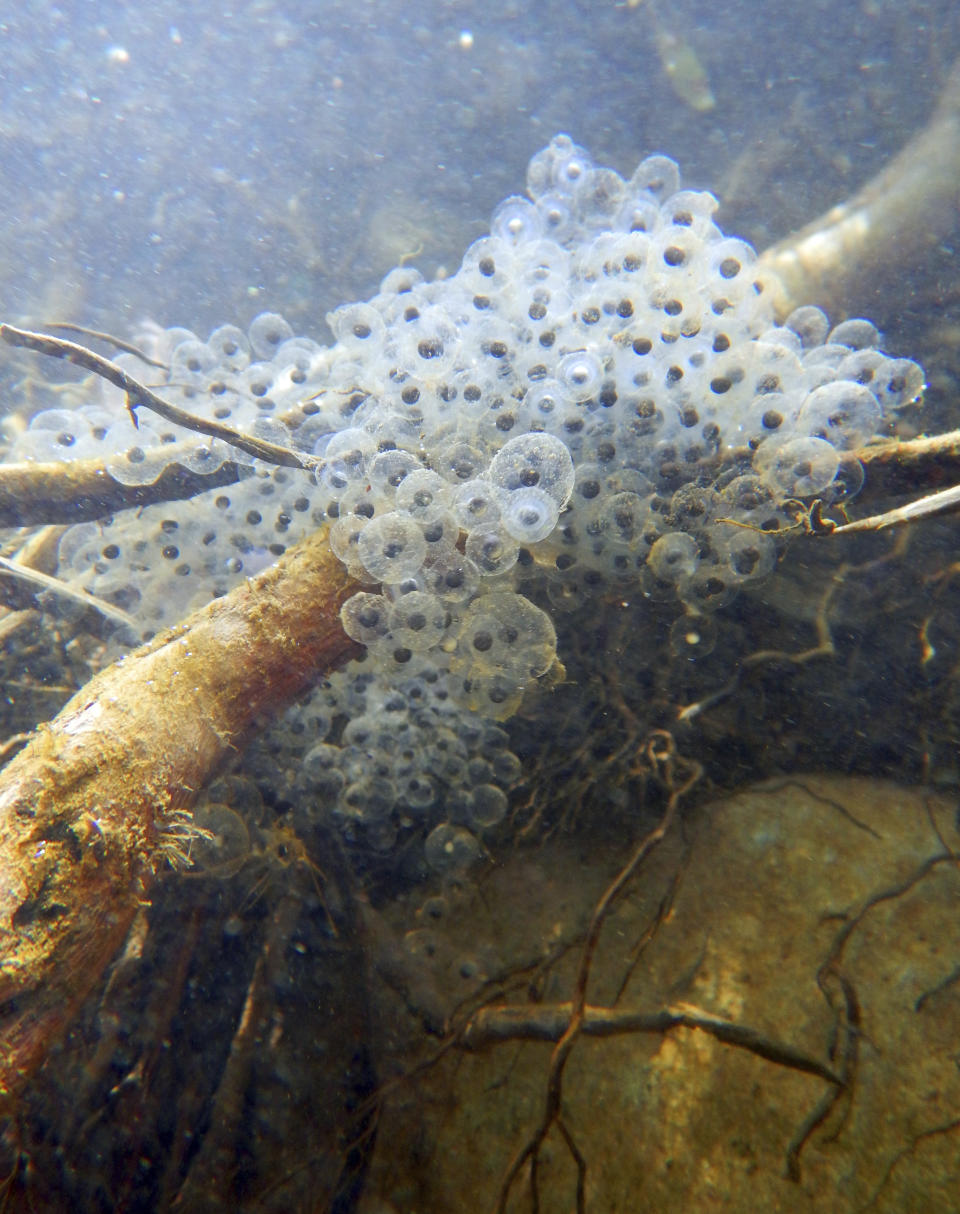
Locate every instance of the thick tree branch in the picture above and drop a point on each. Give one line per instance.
(98, 798)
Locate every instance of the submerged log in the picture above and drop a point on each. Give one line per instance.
(98, 800)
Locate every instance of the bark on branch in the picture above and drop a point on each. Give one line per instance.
(79, 491)
(91, 806)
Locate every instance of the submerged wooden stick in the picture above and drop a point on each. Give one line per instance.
(82, 490)
(548, 1022)
(91, 806)
(139, 395)
(947, 501)
(76, 491)
(904, 466)
(864, 246)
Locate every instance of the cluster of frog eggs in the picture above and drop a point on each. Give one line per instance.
(591, 402)
(407, 759)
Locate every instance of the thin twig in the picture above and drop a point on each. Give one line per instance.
(206, 1184)
(848, 1024)
(945, 1127)
(945, 501)
(823, 648)
(548, 1022)
(139, 394)
(15, 740)
(660, 753)
(117, 342)
(58, 587)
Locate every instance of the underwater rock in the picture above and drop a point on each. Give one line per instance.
(787, 882)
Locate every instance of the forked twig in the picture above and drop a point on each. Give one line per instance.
(548, 1022)
(139, 394)
(117, 342)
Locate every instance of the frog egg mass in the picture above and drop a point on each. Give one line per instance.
(599, 402)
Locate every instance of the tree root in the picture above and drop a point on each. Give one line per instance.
(547, 1022)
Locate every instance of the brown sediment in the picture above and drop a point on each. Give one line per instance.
(89, 809)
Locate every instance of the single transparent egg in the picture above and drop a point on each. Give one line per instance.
(693, 636)
(622, 518)
(452, 576)
(857, 334)
(559, 166)
(492, 693)
(516, 221)
(747, 554)
(193, 362)
(898, 382)
(529, 515)
(810, 324)
(598, 195)
(357, 327)
(533, 461)
(418, 620)
(230, 344)
(268, 332)
(658, 176)
(580, 374)
(365, 617)
(488, 806)
(492, 549)
(451, 849)
(844, 413)
(140, 461)
(388, 470)
(391, 547)
(556, 212)
(424, 495)
(674, 556)
(799, 467)
(475, 505)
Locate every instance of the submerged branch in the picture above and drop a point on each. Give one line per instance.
(868, 243)
(945, 502)
(118, 343)
(94, 803)
(139, 394)
(78, 491)
(905, 466)
(548, 1022)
